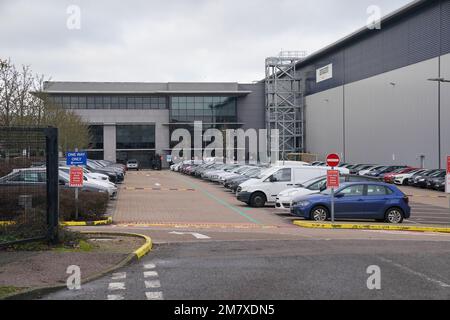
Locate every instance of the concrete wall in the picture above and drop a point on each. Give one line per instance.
(391, 118)
(251, 108)
(324, 123)
(111, 118)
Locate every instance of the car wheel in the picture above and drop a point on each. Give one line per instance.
(319, 214)
(394, 216)
(258, 200)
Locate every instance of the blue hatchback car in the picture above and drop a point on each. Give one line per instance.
(357, 200)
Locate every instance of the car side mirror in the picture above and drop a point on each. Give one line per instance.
(62, 183)
(273, 179)
(339, 195)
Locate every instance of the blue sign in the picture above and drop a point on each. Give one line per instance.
(76, 159)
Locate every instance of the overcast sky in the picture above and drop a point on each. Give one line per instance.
(171, 40)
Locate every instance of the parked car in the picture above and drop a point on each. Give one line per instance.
(114, 175)
(366, 171)
(264, 189)
(402, 179)
(92, 175)
(359, 168)
(234, 183)
(286, 197)
(421, 181)
(384, 170)
(390, 177)
(133, 165)
(431, 180)
(439, 183)
(358, 200)
(90, 184)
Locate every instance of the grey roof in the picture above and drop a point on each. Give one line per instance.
(170, 88)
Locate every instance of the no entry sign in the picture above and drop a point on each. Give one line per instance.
(333, 160)
(333, 179)
(76, 177)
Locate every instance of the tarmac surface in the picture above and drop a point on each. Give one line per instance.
(210, 246)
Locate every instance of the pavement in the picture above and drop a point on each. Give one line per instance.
(210, 246)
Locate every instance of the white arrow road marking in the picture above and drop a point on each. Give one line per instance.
(115, 297)
(149, 266)
(148, 274)
(194, 234)
(152, 284)
(116, 286)
(119, 276)
(154, 295)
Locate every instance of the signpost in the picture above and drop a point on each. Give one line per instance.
(76, 159)
(73, 160)
(333, 161)
(76, 181)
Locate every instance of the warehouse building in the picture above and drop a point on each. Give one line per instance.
(376, 96)
(382, 96)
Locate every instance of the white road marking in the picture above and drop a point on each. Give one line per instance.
(116, 286)
(149, 266)
(119, 276)
(115, 297)
(158, 184)
(194, 234)
(152, 284)
(416, 273)
(154, 295)
(149, 274)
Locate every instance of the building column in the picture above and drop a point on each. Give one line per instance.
(109, 141)
(162, 141)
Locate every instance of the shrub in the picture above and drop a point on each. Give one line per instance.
(91, 205)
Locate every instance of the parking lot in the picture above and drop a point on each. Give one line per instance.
(168, 199)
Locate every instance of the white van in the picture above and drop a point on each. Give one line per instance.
(265, 189)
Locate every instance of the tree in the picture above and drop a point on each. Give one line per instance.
(23, 102)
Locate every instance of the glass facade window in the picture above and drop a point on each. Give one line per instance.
(109, 101)
(95, 137)
(206, 109)
(135, 137)
(145, 157)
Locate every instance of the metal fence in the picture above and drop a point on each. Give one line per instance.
(28, 184)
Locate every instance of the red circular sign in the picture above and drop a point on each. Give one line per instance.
(333, 160)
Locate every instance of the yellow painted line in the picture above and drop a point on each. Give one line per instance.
(7, 223)
(141, 251)
(88, 223)
(355, 226)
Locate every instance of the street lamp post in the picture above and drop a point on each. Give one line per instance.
(439, 81)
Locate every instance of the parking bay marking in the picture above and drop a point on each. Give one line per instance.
(194, 234)
(416, 273)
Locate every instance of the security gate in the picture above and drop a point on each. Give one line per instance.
(28, 184)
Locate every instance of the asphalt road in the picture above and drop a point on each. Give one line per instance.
(210, 246)
(274, 270)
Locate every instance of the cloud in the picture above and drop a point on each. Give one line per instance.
(172, 40)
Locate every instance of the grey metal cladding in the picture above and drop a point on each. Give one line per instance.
(421, 35)
(337, 60)
(445, 27)
(251, 108)
(424, 35)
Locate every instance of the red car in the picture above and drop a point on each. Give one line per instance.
(390, 177)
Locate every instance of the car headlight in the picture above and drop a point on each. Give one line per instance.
(301, 204)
